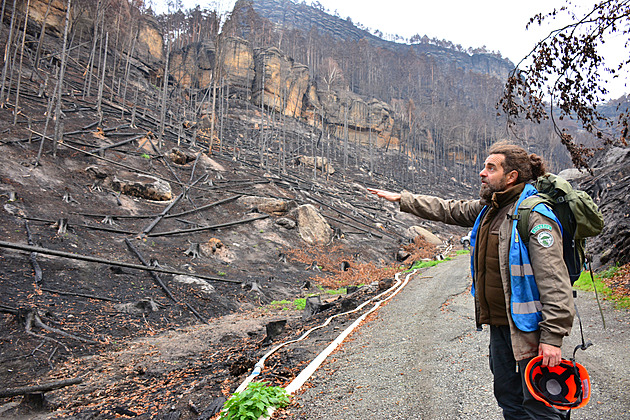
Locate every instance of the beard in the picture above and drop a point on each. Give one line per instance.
(487, 190)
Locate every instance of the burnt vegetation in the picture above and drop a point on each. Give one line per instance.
(164, 187)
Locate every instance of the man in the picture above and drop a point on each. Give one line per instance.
(522, 291)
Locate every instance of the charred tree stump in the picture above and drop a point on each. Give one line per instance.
(33, 256)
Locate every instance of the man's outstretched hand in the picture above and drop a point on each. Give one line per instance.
(387, 195)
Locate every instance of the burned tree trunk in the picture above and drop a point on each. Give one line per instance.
(164, 90)
(64, 58)
(7, 54)
(99, 109)
(19, 83)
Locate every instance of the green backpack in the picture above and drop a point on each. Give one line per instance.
(576, 211)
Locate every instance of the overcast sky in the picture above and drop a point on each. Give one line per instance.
(497, 24)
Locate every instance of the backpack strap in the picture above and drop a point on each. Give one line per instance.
(523, 212)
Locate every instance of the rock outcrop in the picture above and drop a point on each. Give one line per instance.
(609, 189)
(143, 186)
(289, 14)
(270, 77)
(280, 83)
(56, 18)
(148, 48)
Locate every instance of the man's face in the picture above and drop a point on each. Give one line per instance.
(493, 178)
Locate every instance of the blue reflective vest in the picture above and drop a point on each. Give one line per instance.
(525, 303)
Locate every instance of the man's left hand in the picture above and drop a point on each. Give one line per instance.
(551, 354)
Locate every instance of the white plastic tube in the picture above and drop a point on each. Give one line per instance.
(308, 371)
(312, 367)
(260, 365)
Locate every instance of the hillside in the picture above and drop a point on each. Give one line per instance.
(160, 233)
(139, 251)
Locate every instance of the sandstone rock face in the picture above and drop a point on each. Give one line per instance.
(143, 186)
(285, 82)
(236, 59)
(312, 226)
(288, 88)
(369, 121)
(149, 48)
(193, 65)
(56, 19)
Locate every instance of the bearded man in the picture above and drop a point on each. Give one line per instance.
(523, 292)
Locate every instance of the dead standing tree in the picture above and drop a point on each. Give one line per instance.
(62, 70)
(7, 54)
(19, 82)
(164, 95)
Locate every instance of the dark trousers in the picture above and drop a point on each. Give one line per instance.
(509, 383)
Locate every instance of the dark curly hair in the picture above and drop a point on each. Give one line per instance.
(528, 166)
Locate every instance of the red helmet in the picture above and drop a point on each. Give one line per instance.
(565, 386)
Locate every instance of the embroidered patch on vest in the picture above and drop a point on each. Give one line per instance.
(545, 239)
(540, 227)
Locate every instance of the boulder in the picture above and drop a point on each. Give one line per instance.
(180, 157)
(318, 162)
(203, 285)
(143, 186)
(312, 226)
(210, 163)
(414, 231)
(286, 223)
(265, 204)
(143, 306)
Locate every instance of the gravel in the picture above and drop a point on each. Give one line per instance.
(421, 358)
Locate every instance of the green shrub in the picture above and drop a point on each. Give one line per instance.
(300, 304)
(423, 264)
(254, 401)
(285, 305)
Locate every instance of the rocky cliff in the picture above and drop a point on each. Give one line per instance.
(288, 14)
(148, 47)
(270, 77)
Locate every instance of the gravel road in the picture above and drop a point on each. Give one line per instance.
(421, 358)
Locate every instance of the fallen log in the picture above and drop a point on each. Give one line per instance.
(12, 392)
(207, 206)
(157, 220)
(202, 228)
(155, 276)
(348, 216)
(120, 143)
(59, 292)
(70, 255)
(152, 216)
